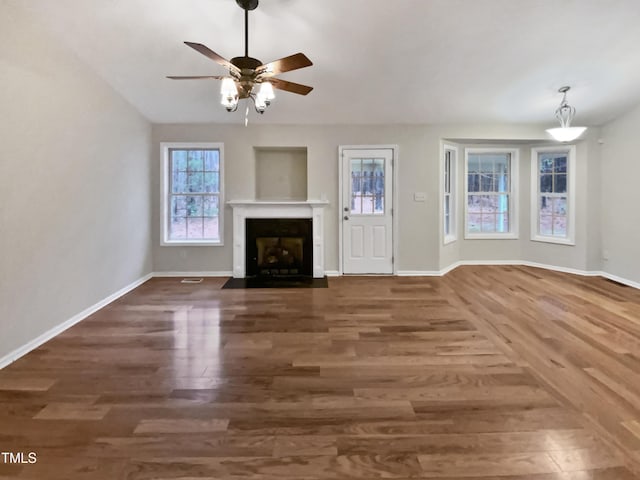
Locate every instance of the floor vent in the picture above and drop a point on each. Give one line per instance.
(191, 280)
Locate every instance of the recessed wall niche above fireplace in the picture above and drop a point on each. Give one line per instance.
(281, 173)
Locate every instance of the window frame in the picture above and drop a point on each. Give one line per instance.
(570, 150)
(452, 176)
(513, 211)
(165, 194)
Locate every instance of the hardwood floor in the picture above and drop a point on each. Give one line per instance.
(489, 372)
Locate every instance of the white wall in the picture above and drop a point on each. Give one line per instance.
(419, 169)
(74, 184)
(620, 215)
(418, 239)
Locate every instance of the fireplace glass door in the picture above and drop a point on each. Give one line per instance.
(279, 247)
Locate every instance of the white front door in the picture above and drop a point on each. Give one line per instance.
(367, 215)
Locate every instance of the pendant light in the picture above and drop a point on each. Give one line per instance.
(565, 114)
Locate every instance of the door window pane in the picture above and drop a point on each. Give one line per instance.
(367, 186)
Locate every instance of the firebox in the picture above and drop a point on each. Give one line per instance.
(279, 247)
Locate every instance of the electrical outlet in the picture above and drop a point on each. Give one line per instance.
(183, 253)
(605, 254)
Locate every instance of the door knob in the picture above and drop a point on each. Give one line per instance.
(346, 209)
(346, 218)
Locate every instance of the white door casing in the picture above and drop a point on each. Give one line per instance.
(367, 210)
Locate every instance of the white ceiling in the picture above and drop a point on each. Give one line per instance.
(375, 61)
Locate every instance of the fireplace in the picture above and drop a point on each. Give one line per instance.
(309, 210)
(279, 247)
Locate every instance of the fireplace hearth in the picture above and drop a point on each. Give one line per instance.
(279, 247)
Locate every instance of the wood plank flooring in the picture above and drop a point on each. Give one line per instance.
(502, 372)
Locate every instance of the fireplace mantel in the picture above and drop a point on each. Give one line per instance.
(243, 209)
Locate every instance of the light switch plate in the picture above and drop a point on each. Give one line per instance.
(419, 197)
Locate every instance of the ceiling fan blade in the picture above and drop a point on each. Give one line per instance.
(215, 77)
(290, 86)
(286, 64)
(207, 52)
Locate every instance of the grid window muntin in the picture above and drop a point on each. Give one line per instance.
(488, 184)
(192, 192)
(552, 188)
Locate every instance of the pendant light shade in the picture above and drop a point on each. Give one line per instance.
(566, 134)
(565, 114)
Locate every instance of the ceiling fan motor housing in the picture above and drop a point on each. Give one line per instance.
(246, 63)
(247, 4)
(247, 78)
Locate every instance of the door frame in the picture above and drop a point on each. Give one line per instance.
(394, 215)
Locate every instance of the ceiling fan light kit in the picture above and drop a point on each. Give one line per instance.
(565, 114)
(248, 77)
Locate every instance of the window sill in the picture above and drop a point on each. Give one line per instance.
(181, 243)
(449, 239)
(559, 241)
(491, 236)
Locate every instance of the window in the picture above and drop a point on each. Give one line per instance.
(367, 186)
(449, 194)
(552, 190)
(192, 202)
(491, 207)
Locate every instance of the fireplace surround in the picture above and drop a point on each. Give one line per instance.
(312, 210)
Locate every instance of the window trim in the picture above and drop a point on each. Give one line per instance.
(453, 193)
(165, 148)
(571, 194)
(513, 233)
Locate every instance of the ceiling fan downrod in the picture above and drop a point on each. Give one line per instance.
(246, 33)
(247, 5)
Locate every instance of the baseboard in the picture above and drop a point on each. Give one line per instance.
(193, 274)
(419, 273)
(624, 281)
(556, 268)
(57, 330)
(489, 262)
(453, 266)
(332, 273)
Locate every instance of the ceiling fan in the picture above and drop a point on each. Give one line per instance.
(247, 73)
